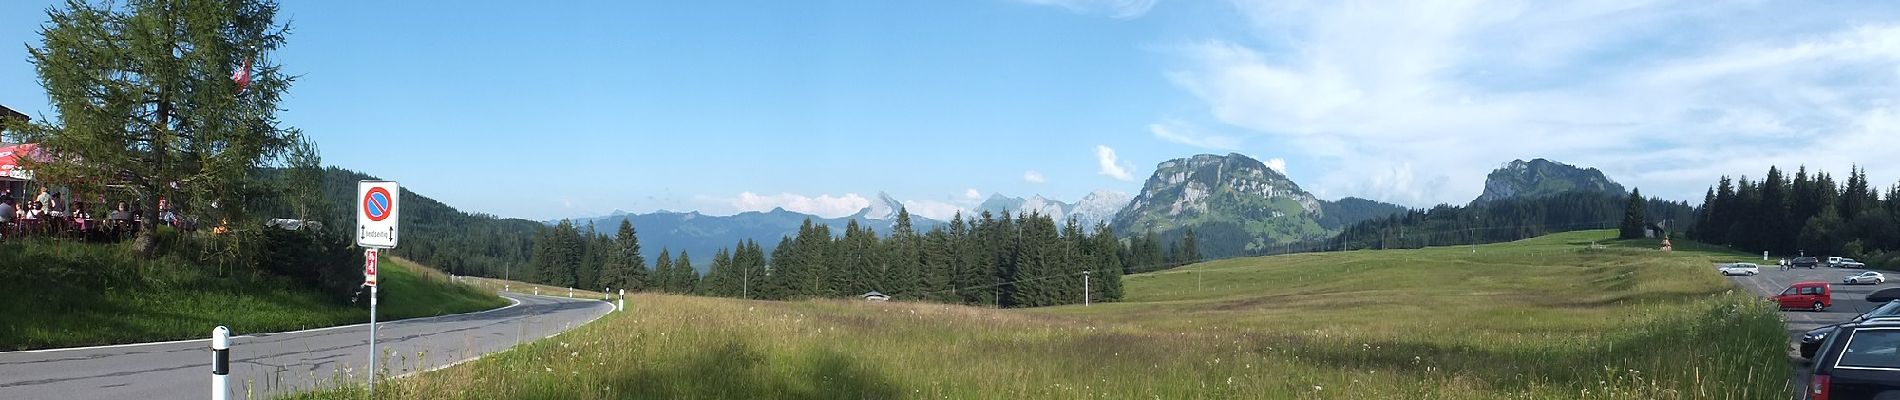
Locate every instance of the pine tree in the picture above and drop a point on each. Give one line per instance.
(630, 271)
(663, 273)
(903, 275)
(1108, 265)
(1633, 217)
(145, 100)
(685, 279)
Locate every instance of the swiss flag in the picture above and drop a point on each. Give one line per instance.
(243, 76)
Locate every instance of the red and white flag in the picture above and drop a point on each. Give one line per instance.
(243, 76)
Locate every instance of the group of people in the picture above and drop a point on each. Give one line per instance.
(50, 214)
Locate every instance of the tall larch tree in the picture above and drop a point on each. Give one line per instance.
(147, 103)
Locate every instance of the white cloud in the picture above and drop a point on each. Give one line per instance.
(1123, 9)
(972, 194)
(937, 210)
(1416, 101)
(1032, 176)
(1277, 164)
(823, 205)
(1106, 160)
(1183, 133)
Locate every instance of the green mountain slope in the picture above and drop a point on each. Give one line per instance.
(1543, 178)
(1236, 206)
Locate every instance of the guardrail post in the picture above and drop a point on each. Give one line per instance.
(220, 363)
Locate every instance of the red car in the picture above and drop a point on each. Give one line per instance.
(1813, 296)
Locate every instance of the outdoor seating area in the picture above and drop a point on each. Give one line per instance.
(48, 215)
(30, 208)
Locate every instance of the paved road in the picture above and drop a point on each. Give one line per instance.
(270, 364)
(1849, 301)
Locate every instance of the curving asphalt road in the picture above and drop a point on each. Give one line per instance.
(266, 365)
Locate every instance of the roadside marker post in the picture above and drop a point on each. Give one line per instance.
(220, 363)
(376, 218)
(623, 301)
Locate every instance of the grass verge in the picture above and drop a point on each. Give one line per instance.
(65, 294)
(1541, 318)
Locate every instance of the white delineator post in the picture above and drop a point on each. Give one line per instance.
(220, 363)
(570, 293)
(623, 301)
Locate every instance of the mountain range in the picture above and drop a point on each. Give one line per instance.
(1234, 204)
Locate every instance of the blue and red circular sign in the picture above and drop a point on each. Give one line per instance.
(377, 204)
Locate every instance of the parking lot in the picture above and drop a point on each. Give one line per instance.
(1849, 301)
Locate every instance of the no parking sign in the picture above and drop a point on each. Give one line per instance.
(376, 214)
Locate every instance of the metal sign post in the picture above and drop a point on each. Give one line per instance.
(376, 217)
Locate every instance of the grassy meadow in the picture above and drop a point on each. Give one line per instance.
(65, 294)
(1551, 317)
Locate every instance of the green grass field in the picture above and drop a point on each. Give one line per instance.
(1552, 317)
(64, 294)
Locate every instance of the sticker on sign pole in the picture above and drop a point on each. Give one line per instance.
(369, 267)
(377, 206)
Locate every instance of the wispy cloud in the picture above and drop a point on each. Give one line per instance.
(1183, 133)
(823, 205)
(1415, 101)
(1032, 176)
(1113, 8)
(1109, 164)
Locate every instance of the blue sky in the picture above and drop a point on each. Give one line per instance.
(723, 106)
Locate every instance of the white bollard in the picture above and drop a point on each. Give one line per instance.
(220, 363)
(570, 293)
(623, 301)
(537, 291)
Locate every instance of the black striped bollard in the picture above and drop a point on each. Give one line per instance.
(220, 363)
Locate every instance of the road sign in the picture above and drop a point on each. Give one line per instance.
(376, 213)
(369, 267)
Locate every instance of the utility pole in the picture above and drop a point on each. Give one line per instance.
(745, 284)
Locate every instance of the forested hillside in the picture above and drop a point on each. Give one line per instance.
(1500, 220)
(1809, 213)
(433, 233)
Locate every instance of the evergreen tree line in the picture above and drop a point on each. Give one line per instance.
(1808, 213)
(1501, 221)
(1021, 261)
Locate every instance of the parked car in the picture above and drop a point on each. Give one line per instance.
(1812, 296)
(1740, 269)
(1834, 262)
(1851, 263)
(1805, 262)
(1884, 295)
(1811, 341)
(1865, 277)
(1859, 361)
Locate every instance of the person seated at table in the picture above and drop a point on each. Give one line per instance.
(166, 215)
(80, 216)
(35, 211)
(119, 214)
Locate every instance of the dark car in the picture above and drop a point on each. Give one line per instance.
(1884, 295)
(1859, 361)
(1805, 262)
(1811, 341)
